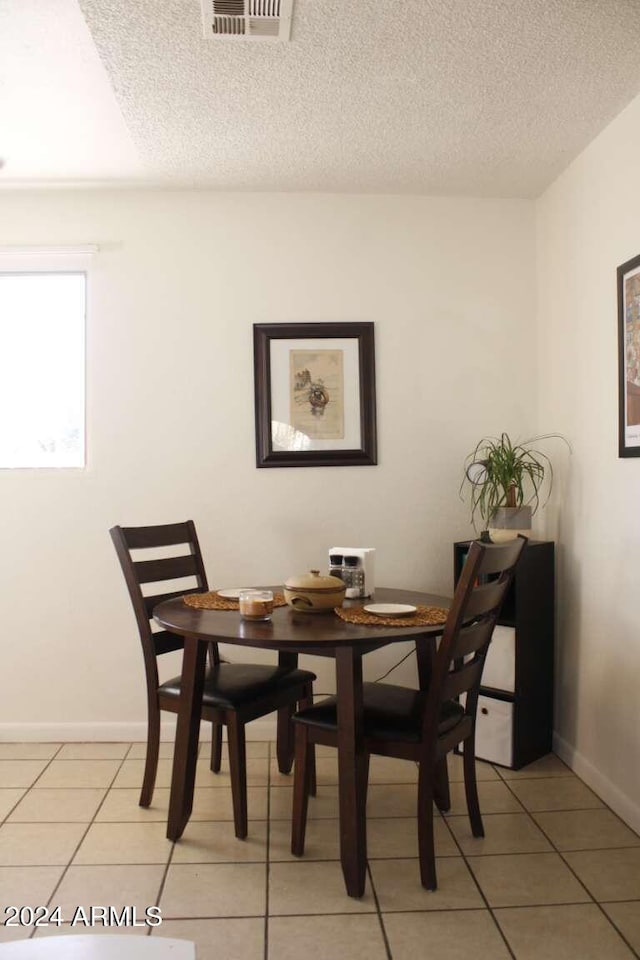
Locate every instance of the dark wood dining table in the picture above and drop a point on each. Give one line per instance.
(292, 633)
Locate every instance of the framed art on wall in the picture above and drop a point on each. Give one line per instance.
(629, 358)
(314, 394)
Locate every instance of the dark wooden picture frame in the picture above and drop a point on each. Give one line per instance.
(629, 358)
(348, 397)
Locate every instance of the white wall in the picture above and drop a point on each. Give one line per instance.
(179, 281)
(587, 226)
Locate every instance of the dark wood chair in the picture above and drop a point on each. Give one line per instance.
(234, 693)
(424, 725)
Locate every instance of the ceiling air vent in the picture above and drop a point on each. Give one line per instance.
(247, 19)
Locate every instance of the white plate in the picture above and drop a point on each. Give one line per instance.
(233, 594)
(390, 609)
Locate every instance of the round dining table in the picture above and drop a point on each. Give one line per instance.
(292, 633)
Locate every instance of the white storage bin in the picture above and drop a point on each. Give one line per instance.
(500, 666)
(494, 731)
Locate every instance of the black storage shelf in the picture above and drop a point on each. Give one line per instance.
(529, 610)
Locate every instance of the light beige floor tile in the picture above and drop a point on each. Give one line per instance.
(9, 797)
(28, 751)
(27, 886)
(452, 934)
(20, 773)
(121, 806)
(626, 917)
(82, 927)
(398, 886)
(392, 800)
(527, 879)
(394, 838)
(391, 770)
(131, 773)
(214, 890)
(340, 937)
(255, 748)
(216, 843)
(138, 751)
(321, 843)
(124, 843)
(58, 805)
(93, 751)
(228, 939)
(324, 805)
(548, 766)
(119, 886)
(39, 843)
(494, 796)
(9, 934)
(609, 874)
(386, 838)
(257, 773)
(562, 933)
(326, 773)
(216, 804)
(311, 887)
(79, 773)
(504, 833)
(555, 793)
(484, 770)
(586, 829)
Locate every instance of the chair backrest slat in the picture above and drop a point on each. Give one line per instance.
(463, 679)
(470, 639)
(167, 568)
(484, 598)
(151, 602)
(162, 535)
(457, 667)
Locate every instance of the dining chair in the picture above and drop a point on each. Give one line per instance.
(234, 693)
(423, 725)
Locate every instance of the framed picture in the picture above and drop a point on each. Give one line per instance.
(629, 357)
(315, 394)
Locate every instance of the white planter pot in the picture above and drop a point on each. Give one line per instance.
(508, 522)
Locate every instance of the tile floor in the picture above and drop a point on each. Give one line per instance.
(557, 875)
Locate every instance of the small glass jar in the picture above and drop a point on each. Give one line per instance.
(256, 604)
(336, 568)
(353, 577)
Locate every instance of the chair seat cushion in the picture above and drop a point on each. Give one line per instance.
(231, 685)
(390, 713)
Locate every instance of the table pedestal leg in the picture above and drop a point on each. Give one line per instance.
(352, 770)
(187, 734)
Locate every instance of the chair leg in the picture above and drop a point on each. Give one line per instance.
(301, 785)
(307, 701)
(441, 791)
(238, 769)
(471, 786)
(426, 848)
(216, 747)
(284, 744)
(151, 762)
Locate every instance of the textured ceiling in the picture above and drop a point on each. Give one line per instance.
(464, 97)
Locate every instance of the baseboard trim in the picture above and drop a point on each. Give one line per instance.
(262, 729)
(627, 809)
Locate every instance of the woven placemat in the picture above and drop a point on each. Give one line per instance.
(213, 601)
(423, 617)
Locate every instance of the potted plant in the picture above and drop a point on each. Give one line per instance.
(507, 483)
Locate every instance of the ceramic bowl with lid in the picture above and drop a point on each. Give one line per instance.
(313, 593)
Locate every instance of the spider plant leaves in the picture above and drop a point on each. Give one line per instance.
(501, 473)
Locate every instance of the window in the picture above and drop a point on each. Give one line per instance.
(42, 369)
